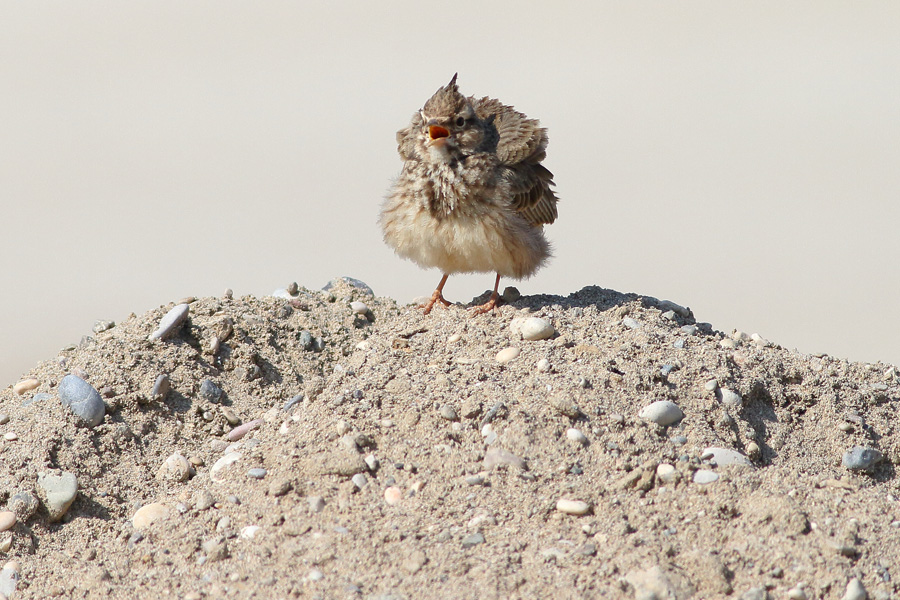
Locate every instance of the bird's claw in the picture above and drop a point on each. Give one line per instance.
(436, 297)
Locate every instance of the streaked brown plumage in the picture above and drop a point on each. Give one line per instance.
(472, 195)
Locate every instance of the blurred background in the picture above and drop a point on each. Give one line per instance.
(742, 159)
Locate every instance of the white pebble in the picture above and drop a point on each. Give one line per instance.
(704, 476)
(392, 495)
(147, 515)
(724, 456)
(730, 399)
(221, 464)
(534, 328)
(797, 593)
(315, 575)
(174, 468)
(575, 435)
(630, 323)
(573, 507)
(507, 354)
(855, 590)
(454, 338)
(666, 473)
(249, 532)
(170, 322)
(10, 436)
(544, 366)
(359, 308)
(661, 412)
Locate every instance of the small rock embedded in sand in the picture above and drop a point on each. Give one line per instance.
(666, 473)
(26, 385)
(256, 473)
(507, 354)
(498, 456)
(576, 436)
(855, 590)
(24, 504)
(724, 456)
(730, 399)
(359, 480)
(662, 412)
(160, 388)
(392, 495)
(82, 399)
(175, 468)
(472, 540)
(9, 577)
(449, 413)
(7, 520)
(573, 507)
(58, 493)
(705, 476)
(149, 514)
(544, 366)
(170, 322)
(210, 392)
(630, 323)
(10, 436)
(242, 430)
(223, 463)
(532, 328)
(861, 458)
(316, 504)
(454, 338)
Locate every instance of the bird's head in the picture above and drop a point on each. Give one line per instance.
(447, 128)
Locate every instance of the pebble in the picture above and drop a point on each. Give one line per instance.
(249, 532)
(26, 385)
(797, 593)
(294, 401)
(576, 436)
(315, 575)
(82, 399)
(372, 462)
(359, 480)
(565, 406)
(210, 392)
(392, 495)
(724, 456)
(316, 504)
(861, 458)
(630, 323)
(704, 476)
(9, 577)
(222, 463)
(58, 492)
(573, 507)
(7, 520)
(533, 328)
(689, 329)
(170, 322)
(681, 311)
(472, 540)
(10, 436)
(242, 430)
(679, 440)
(855, 590)
(666, 473)
(730, 399)
(175, 468)
(149, 514)
(24, 504)
(498, 456)
(449, 413)
(454, 338)
(662, 412)
(507, 354)
(39, 397)
(359, 308)
(161, 388)
(544, 366)
(256, 473)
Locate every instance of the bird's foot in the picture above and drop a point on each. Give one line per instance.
(436, 297)
(488, 306)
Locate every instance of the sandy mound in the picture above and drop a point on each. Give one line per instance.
(395, 457)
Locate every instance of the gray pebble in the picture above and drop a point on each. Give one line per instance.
(210, 392)
(170, 322)
(630, 323)
(475, 479)
(472, 540)
(372, 462)
(704, 476)
(293, 402)
(689, 329)
(711, 385)
(160, 388)
(678, 440)
(82, 399)
(861, 458)
(257, 473)
(665, 305)
(39, 397)
(306, 341)
(316, 504)
(730, 399)
(359, 480)
(58, 492)
(349, 280)
(724, 456)
(855, 590)
(662, 412)
(449, 413)
(24, 504)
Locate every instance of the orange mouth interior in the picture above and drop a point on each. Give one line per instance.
(436, 131)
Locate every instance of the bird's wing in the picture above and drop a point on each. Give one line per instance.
(521, 148)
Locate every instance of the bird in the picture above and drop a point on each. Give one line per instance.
(472, 196)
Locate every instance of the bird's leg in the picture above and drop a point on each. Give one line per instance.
(437, 296)
(490, 304)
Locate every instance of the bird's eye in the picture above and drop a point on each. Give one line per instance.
(460, 121)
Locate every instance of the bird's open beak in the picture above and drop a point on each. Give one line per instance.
(436, 132)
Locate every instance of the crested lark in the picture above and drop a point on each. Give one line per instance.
(472, 195)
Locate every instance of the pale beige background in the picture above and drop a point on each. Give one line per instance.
(739, 158)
